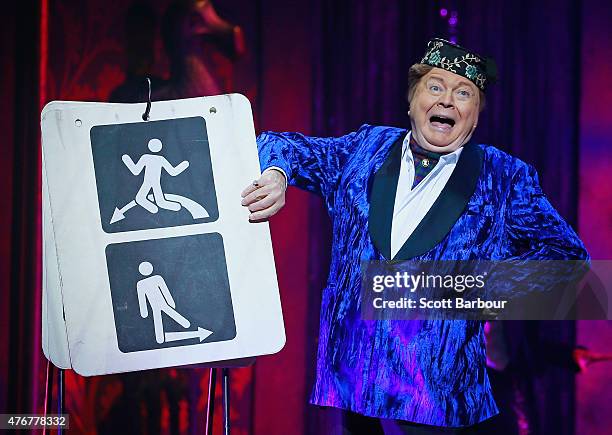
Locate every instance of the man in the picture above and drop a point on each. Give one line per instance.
(427, 194)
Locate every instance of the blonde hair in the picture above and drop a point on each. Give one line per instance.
(419, 70)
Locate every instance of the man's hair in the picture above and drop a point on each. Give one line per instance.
(418, 71)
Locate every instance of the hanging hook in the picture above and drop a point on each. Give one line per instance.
(145, 115)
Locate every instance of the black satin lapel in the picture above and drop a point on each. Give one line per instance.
(382, 198)
(448, 207)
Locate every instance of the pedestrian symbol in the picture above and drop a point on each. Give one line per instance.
(152, 165)
(170, 292)
(154, 174)
(154, 292)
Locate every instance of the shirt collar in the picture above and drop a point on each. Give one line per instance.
(444, 159)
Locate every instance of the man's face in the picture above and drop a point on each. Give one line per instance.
(444, 110)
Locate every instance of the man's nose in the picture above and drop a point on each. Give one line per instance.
(446, 99)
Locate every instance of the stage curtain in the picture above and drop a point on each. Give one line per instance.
(23, 365)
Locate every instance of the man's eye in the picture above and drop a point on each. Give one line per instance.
(464, 93)
(434, 88)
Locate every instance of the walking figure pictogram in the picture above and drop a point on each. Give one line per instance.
(152, 165)
(154, 291)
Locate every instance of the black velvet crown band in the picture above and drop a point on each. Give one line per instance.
(456, 59)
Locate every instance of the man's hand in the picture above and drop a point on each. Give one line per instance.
(266, 195)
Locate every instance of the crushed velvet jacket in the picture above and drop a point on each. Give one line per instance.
(432, 371)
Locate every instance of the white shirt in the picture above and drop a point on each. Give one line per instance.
(411, 205)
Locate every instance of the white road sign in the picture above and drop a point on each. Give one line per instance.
(149, 258)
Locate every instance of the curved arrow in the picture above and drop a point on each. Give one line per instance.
(196, 210)
(201, 333)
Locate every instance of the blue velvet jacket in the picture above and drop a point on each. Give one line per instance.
(432, 371)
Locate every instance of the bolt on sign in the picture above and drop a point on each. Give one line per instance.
(149, 259)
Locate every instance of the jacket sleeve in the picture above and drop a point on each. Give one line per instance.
(538, 287)
(310, 163)
(535, 229)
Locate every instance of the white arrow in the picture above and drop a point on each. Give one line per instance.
(201, 333)
(195, 209)
(119, 213)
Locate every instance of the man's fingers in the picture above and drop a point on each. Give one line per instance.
(263, 203)
(265, 196)
(256, 195)
(264, 214)
(268, 178)
(250, 188)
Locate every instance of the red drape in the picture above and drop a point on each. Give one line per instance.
(23, 372)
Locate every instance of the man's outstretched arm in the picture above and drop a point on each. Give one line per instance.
(314, 164)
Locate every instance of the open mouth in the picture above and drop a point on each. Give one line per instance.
(442, 123)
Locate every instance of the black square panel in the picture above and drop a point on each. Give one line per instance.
(179, 284)
(153, 174)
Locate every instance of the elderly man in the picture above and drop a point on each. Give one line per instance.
(429, 193)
